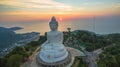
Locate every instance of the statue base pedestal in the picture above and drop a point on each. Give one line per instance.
(62, 63)
(36, 62)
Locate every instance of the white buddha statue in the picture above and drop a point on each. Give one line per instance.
(53, 49)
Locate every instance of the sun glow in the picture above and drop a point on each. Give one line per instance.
(61, 19)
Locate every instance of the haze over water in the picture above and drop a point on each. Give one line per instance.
(97, 25)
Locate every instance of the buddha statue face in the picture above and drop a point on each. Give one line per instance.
(53, 24)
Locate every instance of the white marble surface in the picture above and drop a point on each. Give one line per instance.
(53, 49)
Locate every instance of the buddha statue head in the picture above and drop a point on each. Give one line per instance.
(53, 24)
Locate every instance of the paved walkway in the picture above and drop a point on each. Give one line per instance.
(74, 52)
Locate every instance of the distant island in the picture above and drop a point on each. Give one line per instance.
(15, 28)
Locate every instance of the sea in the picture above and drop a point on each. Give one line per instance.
(99, 25)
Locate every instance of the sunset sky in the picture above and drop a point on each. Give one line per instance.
(21, 10)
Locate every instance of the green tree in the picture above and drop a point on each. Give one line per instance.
(14, 60)
(3, 62)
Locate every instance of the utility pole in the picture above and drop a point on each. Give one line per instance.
(94, 30)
